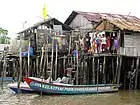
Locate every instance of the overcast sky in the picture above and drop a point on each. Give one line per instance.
(13, 13)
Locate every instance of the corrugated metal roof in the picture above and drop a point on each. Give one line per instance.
(48, 21)
(121, 21)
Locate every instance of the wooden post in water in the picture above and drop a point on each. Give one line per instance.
(64, 64)
(119, 72)
(116, 73)
(4, 68)
(69, 49)
(137, 70)
(104, 72)
(77, 63)
(98, 68)
(28, 74)
(113, 69)
(41, 61)
(20, 72)
(47, 55)
(44, 65)
(56, 56)
(52, 58)
(93, 70)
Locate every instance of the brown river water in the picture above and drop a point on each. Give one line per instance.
(119, 98)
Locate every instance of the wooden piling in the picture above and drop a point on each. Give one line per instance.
(116, 73)
(28, 59)
(20, 72)
(98, 68)
(77, 63)
(93, 70)
(4, 68)
(104, 72)
(56, 56)
(113, 69)
(64, 64)
(52, 58)
(119, 70)
(137, 69)
(41, 61)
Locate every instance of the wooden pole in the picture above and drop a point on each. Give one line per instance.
(20, 72)
(104, 72)
(117, 66)
(77, 69)
(119, 72)
(4, 68)
(70, 43)
(93, 69)
(56, 56)
(112, 69)
(52, 58)
(85, 68)
(137, 69)
(42, 55)
(28, 74)
(37, 65)
(44, 65)
(98, 68)
(47, 55)
(64, 63)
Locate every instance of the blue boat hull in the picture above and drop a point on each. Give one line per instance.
(21, 90)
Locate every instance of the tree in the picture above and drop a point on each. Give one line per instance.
(4, 39)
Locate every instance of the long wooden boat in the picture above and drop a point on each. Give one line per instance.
(24, 87)
(68, 89)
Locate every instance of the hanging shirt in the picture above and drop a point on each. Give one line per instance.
(103, 40)
(97, 40)
(108, 42)
(116, 44)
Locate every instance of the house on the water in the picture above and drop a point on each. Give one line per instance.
(126, 27)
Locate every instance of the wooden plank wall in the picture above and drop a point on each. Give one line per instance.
(131, 45)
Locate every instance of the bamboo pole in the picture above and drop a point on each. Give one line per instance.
(93, 69)
(104, 72)
(77, 69)
(28, 74)
(20, 72)
(119, 72)
(113, 68)
(4, 67)
(47, 55)
(137, 69)
(64, 63)
(56, 58)
(42, 55)
(98, 68)
(52, 58)
(117, 66)
(45, 60)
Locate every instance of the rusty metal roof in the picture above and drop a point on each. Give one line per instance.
(121, 21)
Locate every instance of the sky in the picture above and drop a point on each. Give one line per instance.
(13, 13)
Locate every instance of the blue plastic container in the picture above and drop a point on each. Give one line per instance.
(25, 54)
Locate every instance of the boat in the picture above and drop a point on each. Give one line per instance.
(69, 89)
(24, 87)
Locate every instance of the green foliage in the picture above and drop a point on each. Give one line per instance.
(4, 39)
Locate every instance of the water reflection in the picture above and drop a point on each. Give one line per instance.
(120, 98)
